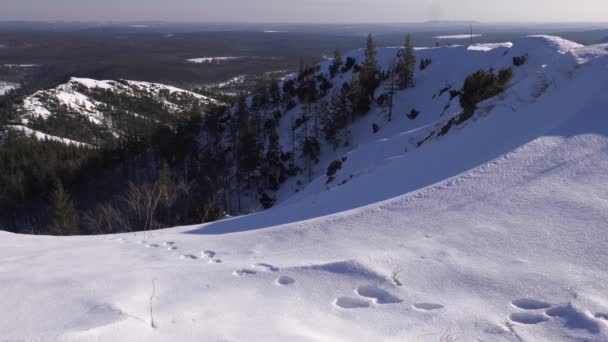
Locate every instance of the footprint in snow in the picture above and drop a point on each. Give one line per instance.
(285, 281)
(377, 294)
(243, 273)
(574, 318)
(215, 261)
(152, 245)
(351, 303)
(168, 243)
(209, 254)
(530, 304)
(188, 257)
(527, 318)
(172, 248)
(265, 267)
(427, 306)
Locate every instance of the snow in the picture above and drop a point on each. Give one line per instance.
(21, 65)
(5, 87)
(212, 59)
(458, 36)
(488, 46)
(41, 103)
(495, 231)
(42, 136)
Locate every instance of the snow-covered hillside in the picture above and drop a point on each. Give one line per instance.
(5, 87)
(98, 102)
(495, 231)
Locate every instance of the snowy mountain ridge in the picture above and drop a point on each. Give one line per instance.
(551, 61)
(493, 231)
(99, 104)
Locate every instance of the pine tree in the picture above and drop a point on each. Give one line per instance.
(390, 90)
(65, 218)
(407, 65)
(368, 77)
(336, 64)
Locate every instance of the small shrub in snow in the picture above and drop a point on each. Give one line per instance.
(424, 63)
(375, 128)
(267, 201)
(413, 114)
(481, 86)
(520, 60)
(333, 168)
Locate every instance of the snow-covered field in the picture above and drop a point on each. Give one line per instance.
(458, 36)
(5, 87)
(21, 65)
(213, 59)
(494, 232)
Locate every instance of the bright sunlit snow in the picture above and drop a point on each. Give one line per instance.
(494, 232)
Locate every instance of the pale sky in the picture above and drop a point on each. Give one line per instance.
(351, 11)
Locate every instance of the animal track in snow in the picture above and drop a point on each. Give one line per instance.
(188, 257)
(285, 280)
(351, 303)
(172, 248)
(427, 306)
(244, 272)
(152, 245)
(209, 254)
(574, 319)
(265, 267)
(168, 243)
(215, 261)
(379, 295)
(530, 304)
(527, 318)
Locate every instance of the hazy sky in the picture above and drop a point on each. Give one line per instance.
(305, 10)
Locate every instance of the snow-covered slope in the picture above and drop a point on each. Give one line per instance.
(98, 102)
(5, 87)
(493, 232)
(42, 136)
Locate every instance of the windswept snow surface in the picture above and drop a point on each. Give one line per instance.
(495, 232)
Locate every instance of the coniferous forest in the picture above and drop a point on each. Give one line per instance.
(160, 158)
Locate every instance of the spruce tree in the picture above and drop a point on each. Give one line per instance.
(368, 77)
(407, 65)
(336, 64)
(65, 219)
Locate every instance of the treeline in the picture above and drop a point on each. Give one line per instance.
(188, 166)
